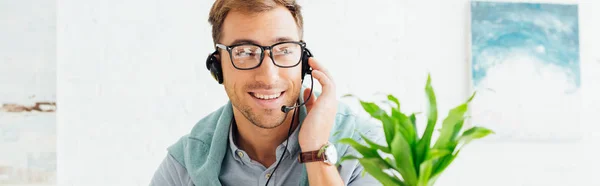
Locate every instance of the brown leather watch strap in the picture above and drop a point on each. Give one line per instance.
(311, 156)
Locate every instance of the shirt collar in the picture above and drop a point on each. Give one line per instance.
(232, 145)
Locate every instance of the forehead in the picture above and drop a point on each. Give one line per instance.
(264, 28)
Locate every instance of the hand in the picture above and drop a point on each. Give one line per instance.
(315, 129)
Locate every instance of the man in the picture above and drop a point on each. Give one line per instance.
(245, 142)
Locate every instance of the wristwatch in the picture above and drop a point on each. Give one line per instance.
(327, 154)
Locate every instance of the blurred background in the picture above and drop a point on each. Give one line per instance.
(27, 92)
(130, 79)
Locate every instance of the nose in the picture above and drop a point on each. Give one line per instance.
(267, 72)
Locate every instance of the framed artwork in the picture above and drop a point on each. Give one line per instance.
(525, 68)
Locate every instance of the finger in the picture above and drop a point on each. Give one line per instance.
(309, 103)
(315, 65)
(326, 84)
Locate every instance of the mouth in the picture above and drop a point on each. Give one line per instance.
(268, 100)
(266, 96)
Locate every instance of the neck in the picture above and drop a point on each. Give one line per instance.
(261, 144)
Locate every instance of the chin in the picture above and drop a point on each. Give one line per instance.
(269, 122)
(265, 118)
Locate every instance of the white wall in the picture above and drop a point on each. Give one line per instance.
(27, 51)
(131, 81)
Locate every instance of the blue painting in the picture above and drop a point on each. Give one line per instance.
(525, 68)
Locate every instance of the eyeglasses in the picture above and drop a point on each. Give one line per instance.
(248, 56)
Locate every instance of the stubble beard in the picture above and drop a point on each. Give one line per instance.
(273, 117)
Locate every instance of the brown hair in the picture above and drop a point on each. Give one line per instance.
(220, 8)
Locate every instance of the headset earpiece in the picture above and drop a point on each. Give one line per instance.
(214, 66)
(306, 69)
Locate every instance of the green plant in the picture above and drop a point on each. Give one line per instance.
(414, 160)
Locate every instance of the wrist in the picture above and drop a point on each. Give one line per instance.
(327, 153)
(312, 145)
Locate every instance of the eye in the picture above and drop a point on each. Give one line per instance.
(242, 54)
(246, 52)
(286, 51)
(283, 51)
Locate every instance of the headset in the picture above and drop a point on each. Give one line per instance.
(214, 66)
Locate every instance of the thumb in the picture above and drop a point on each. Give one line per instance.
(309, 103)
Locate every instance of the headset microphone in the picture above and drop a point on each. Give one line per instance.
(286, 109)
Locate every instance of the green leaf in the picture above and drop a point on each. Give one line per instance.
(432, 180)
(384, 164)
(372, 108)
(391, 163)
(449, 129)
(435, 158)
(374, 167)
(376, 112)
(402, 153)
(467, 136)
(432, 109)
(474, 133)
(472, 96)
(414, 148)
(363, 150)
(395, 100)
(413, 120)
(435, 154)
(375, 145)
(452, 126)
(451, 144)
(454, 136)
(426, 169)
(424, 143)
(442, 164)
(406, 127)
(388, 128)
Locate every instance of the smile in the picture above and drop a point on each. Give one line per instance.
(266, 96)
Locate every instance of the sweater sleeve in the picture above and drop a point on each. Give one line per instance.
(171, 173)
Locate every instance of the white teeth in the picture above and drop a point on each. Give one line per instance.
(261, 96)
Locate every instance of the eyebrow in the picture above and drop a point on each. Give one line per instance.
(245, 41)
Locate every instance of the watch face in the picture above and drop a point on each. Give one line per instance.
(331, 154)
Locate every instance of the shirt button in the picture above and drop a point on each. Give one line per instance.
(268, 175)
(240, 154)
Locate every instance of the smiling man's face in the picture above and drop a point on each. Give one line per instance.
(259, 93)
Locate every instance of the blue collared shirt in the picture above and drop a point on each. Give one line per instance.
(208, 156)
(239, 169)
